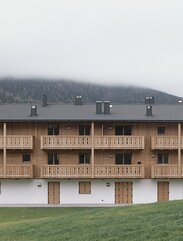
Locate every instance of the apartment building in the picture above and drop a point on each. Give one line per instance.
(91, 154)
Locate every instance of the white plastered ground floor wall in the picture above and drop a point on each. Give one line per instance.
(102, 191)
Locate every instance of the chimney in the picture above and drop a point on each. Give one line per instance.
(98, 107)
(33, 110)
(45, 100)
(106, 107)
(149, 100)
(78, 100)
(149, 110)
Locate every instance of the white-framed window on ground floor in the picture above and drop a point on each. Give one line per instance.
(84, 187)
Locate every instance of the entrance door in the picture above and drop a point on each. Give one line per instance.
(163, 191)
(53, 192)
(123, 192)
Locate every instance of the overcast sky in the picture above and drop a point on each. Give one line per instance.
(135, 42)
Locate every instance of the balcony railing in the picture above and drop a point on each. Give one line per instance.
(119, 171)
(65, 142)
(167, 171)
(17, 171)
(76, 171)
(85, 142)
(119, 142)
(58, 171)
(17, 142)
(164, 142)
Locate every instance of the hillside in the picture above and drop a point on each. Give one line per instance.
(153, 222)
(31, 90)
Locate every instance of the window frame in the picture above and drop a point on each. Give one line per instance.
(123, 158)
(26, 155)
(126, 130)
(161, 130)
(84, 188)
(55, 158)
(86, 156)
(84, 130)
(164, 158)
(53, 129)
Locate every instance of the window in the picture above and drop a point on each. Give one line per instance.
(163, 158)
(161, 130)
(84, 130)
(84, 158)
(53, 129)
(123, 130)
(84, 187)
(123, 158)
(53, 158)
(26, 157)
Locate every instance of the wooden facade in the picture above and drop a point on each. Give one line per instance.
(102, 145)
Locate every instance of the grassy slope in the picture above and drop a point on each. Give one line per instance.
(157, 222)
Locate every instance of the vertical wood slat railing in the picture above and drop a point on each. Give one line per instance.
(164, 142)
(125, 142)
(53, 171)
(166, 171)
(110, 171)
(17, 171)
(17, 142)
(100, 142)
(65, 142)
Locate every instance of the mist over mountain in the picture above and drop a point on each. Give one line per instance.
(64, 91)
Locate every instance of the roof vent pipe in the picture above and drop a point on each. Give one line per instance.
(98, 107)
(106, 107)
(148, 110)
(33, 110)
(44, 101)
(78, 100)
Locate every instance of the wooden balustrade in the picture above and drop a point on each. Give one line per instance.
(17, 171)
(59, 171)
(17, 142)
(119, 142)
(112, 171)
(166, 171)
(84, 142)
(119, 171)
(164, 142)
(65, 142)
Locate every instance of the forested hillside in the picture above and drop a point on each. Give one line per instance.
(31, 90)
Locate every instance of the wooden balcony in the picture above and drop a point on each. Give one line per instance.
(166, 171)
(164, 142)
(65, 142)
(59, 171)
(15, 142)
(85, 142)
(119, 142)
(119, 171)
(85, 171)
(17, 171)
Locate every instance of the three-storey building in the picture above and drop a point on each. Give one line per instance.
(90, 154)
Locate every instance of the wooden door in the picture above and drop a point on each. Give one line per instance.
(163, 191)
(123, 192)
(53, 192)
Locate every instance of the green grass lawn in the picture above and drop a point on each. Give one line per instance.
(138, 222)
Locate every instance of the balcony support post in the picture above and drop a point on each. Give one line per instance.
(179, 149)
(92, 148)
(4, 149)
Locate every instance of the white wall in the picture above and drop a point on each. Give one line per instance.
(144, 191)
(175, 190)
(23, 192)
(100, 193)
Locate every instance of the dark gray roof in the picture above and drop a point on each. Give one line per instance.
(70, 112)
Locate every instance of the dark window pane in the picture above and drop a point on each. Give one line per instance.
(119, 130)
(127, 130)
(53, 129)
(118, 159)
(26, 157)
(162, 158)
(84, 130)
(127, 158)
(84, 158)
(53, 158)
(161, 130)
